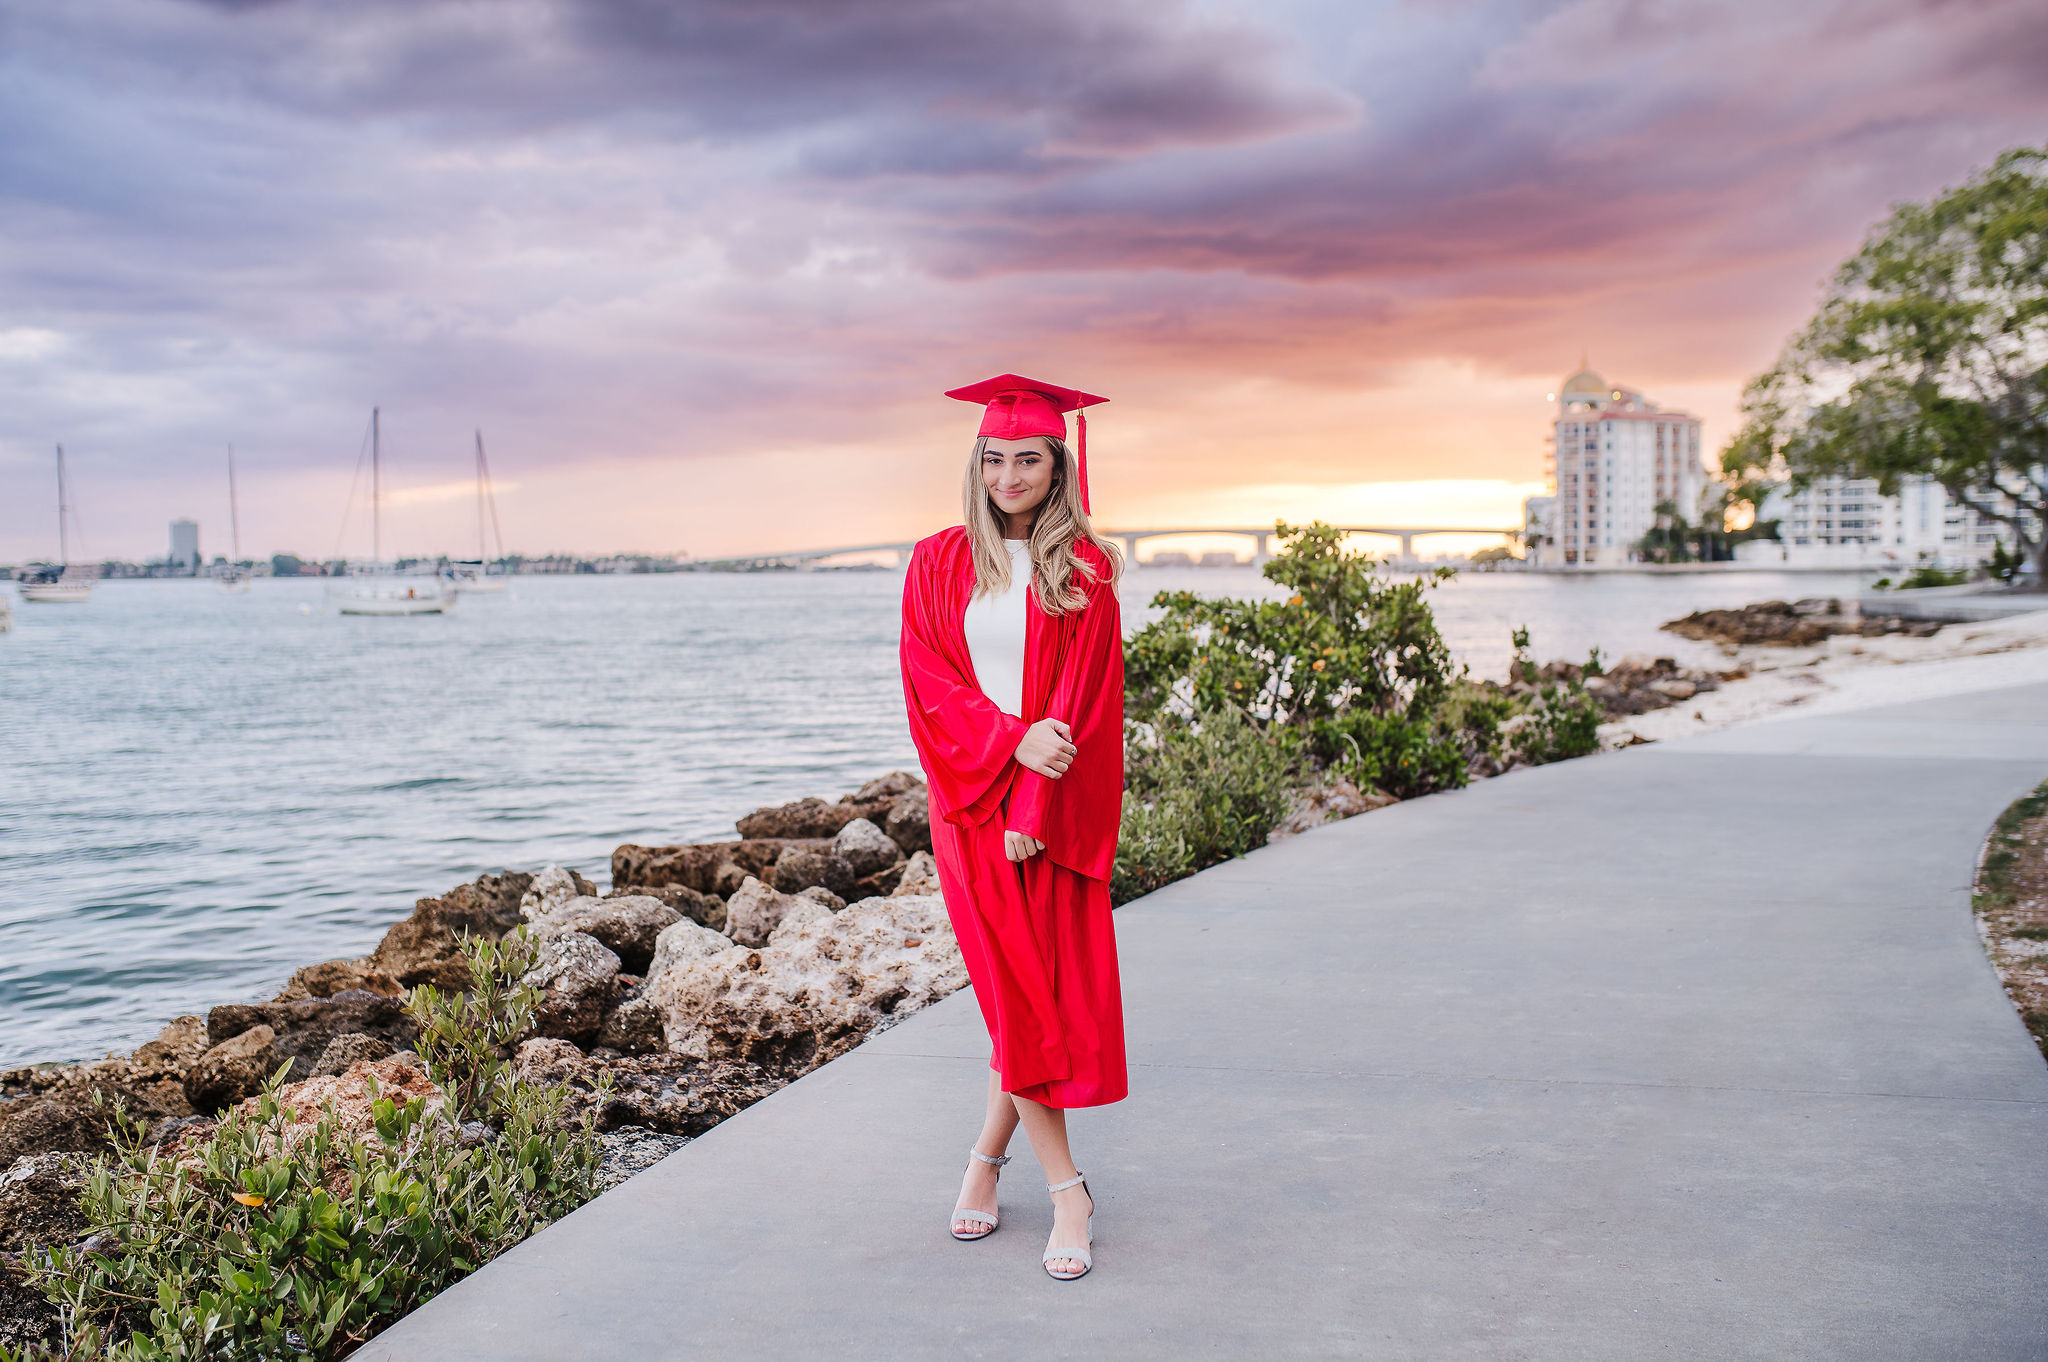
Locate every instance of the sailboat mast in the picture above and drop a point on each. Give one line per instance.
(63, 514)
(486, 496)
(376, 488)
(482, 548)
(234, 512)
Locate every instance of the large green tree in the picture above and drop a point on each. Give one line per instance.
(1928, 357)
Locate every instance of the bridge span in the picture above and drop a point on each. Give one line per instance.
(1262, 541)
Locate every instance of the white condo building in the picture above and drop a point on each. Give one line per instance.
(1615, 456)
(1844, 522)
(185, 545)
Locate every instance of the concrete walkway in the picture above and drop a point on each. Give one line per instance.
(1688, 1051)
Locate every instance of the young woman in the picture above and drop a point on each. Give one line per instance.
(1013, 676)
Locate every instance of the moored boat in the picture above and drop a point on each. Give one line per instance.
(375, 589)
(59, 583)
(473, 576)
(234, 578)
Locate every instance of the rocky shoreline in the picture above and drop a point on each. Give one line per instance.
(705, 978)
(708, 976)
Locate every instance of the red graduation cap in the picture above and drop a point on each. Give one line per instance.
(1021, 407)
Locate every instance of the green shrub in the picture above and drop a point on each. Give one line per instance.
(273, 1237)
(465, 1037)
(1552, 720)
(1560, 721)
(1351, 665)
(1197, 791)
(1926, 575)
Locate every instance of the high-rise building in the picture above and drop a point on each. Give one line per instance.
(1615, 457)
(1845, 522)
(185, 545)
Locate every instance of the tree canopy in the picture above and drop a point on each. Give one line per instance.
(1928, 357)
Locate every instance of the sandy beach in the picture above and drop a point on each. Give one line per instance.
(1850, 673)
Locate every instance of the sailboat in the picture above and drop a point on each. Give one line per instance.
(234, 577)
(475, 577)
(375, 589)
(62, 584)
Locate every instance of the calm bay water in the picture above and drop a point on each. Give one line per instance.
(200, 792)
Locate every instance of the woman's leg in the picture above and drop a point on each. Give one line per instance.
(998, 1123)
(1046, 1128)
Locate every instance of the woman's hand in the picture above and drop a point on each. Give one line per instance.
(1020, 846)
(1047, 749)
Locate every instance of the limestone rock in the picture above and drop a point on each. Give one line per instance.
(27, 1319)
(39, 1202)
(699, 865)
(909, 821)
(633, 1150)
(808, 817)
(578, 977)
(1783, 624)
(866, 847)
(883, 882)
(634, 1027)
(818, 893)
(349, 1049)
(177, 1047)
(349, 1095)
(891, 786)
(801, 910)
(552, 887)
(820, 985)
(1326, 803)
(338, 976)
(757, 910)
(304, 1029)
(426, 948)
(694, 904)
(628, 926)
(233, 1069)
(680, 1095)
(550, 1062)
(920, 876)
(684, 941)
(798, 868)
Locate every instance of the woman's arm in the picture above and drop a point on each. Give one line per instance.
(1075, 817)
(964, 740)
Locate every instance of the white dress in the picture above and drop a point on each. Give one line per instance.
(995, 627)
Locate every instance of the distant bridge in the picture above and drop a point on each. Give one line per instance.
(1262, 540)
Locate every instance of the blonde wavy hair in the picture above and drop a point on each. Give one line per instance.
(1059, 525)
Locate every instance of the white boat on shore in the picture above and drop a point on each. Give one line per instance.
(375, 589)
(59, 584)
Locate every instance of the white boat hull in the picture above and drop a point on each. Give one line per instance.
(57, 593)
(427, 598)
(233, 585)
(481, 586)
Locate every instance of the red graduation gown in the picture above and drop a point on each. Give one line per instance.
(1036, 935)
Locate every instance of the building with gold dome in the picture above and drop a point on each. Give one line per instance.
(1615, 456)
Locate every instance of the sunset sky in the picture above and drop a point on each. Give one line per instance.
(700, 269)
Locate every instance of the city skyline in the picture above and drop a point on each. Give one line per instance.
(701, 272)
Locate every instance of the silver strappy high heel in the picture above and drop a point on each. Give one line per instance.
(1053, 1255)
(979, 1217)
